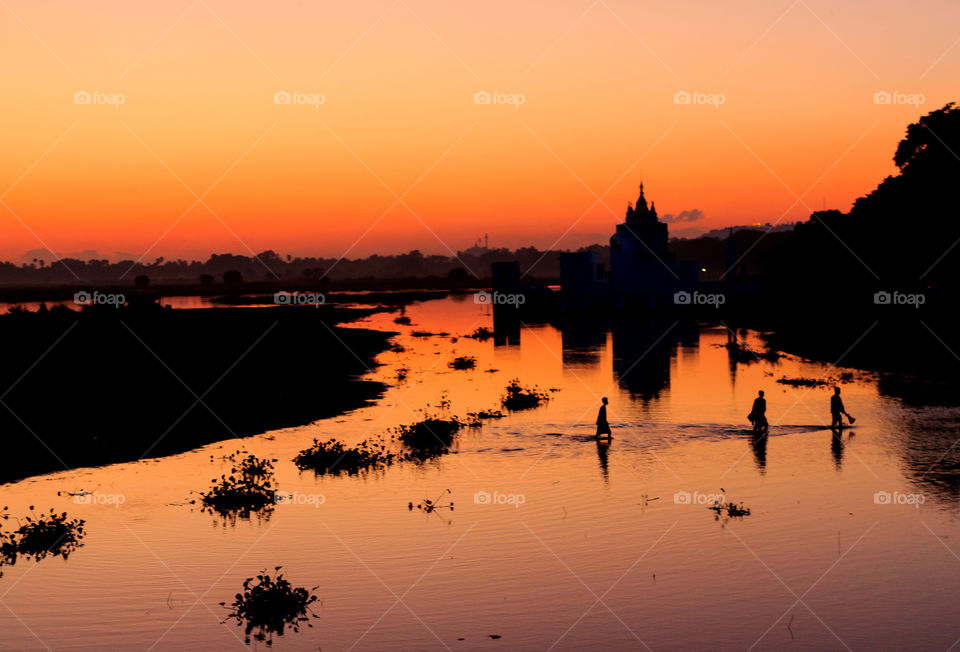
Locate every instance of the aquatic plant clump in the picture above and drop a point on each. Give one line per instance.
(803, 382)
(50, 534)
(463, 362)
(268, 605)
(248, 488)
(732, 509)
(333, 456)
(518, 397)
(476, 419)
(481, 334)
(430, 435)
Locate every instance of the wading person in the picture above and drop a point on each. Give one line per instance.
(758, 415)
(837, 410)
(603, 427)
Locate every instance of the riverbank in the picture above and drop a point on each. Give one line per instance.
(113, 385)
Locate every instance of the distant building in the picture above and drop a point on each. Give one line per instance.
(644, 274)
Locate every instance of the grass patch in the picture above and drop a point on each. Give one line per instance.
(268, 605)
(335, 457)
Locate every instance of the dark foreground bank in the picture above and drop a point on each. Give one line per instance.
(112, 385)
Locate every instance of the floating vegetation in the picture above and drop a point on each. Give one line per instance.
(248, 488)
(429, 437)
(803, 382)
(428, 506)
(845, 377)
(463, 362)
(745, 355)
(403, 320)
(333, 456)
(428, 334)
(731, 509)
(268, 605)
(401, 374)
(482, 334)
(476, 419)
(47, 535)
(518, 397)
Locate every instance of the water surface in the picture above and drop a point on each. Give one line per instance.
(583, 547)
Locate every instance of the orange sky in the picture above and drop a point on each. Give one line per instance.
(398, 78)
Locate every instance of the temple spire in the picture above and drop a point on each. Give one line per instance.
(642, 202)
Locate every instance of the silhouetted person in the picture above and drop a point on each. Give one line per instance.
(758, 415)
(837, 410)
(603, 427)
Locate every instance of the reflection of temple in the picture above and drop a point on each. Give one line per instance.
(644, 274)
(642, 352)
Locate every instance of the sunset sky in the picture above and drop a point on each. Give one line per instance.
(199, 158)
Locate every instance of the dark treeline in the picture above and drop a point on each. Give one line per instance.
(270, 267)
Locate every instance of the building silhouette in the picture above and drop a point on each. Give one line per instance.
(644, 274)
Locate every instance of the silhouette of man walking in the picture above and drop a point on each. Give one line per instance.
(758, 415)
(837, 410)
(603, 427)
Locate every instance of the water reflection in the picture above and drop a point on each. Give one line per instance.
(836, 448)
(758, 443)
(642, 351)
(603, 451)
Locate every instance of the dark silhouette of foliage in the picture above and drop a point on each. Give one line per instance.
(268, 605)
(38, 537)
(249, 488)
(334, 457)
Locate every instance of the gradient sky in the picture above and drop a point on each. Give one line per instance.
(198, 78)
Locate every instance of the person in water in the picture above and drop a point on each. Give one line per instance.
(758, 415)
(603, 427)
(837, 410)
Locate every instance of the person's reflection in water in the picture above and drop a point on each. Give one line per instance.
(603, 450)
(758, 442)
(836, 448)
